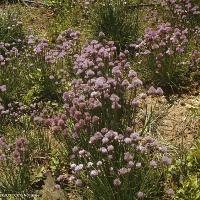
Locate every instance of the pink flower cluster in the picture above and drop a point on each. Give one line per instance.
(105, 158)
(100, 122)
(103, 88)
(165, 41)
(183, 8)
(64, 46)
(57, 123)
(15, 112)
(195, 60)
(3, 88)
(13, 151)
(12, 110)
(8, 52)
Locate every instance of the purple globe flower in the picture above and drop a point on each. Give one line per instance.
(140, 195)
(166, 160)
(117, 182)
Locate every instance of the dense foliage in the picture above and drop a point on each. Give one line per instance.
(81, 106)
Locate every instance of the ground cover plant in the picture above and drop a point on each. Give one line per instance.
(94, 102)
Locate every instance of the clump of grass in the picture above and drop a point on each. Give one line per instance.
(11, 27)
(116, 21)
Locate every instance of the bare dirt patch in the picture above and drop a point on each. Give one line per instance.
(180, 123)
